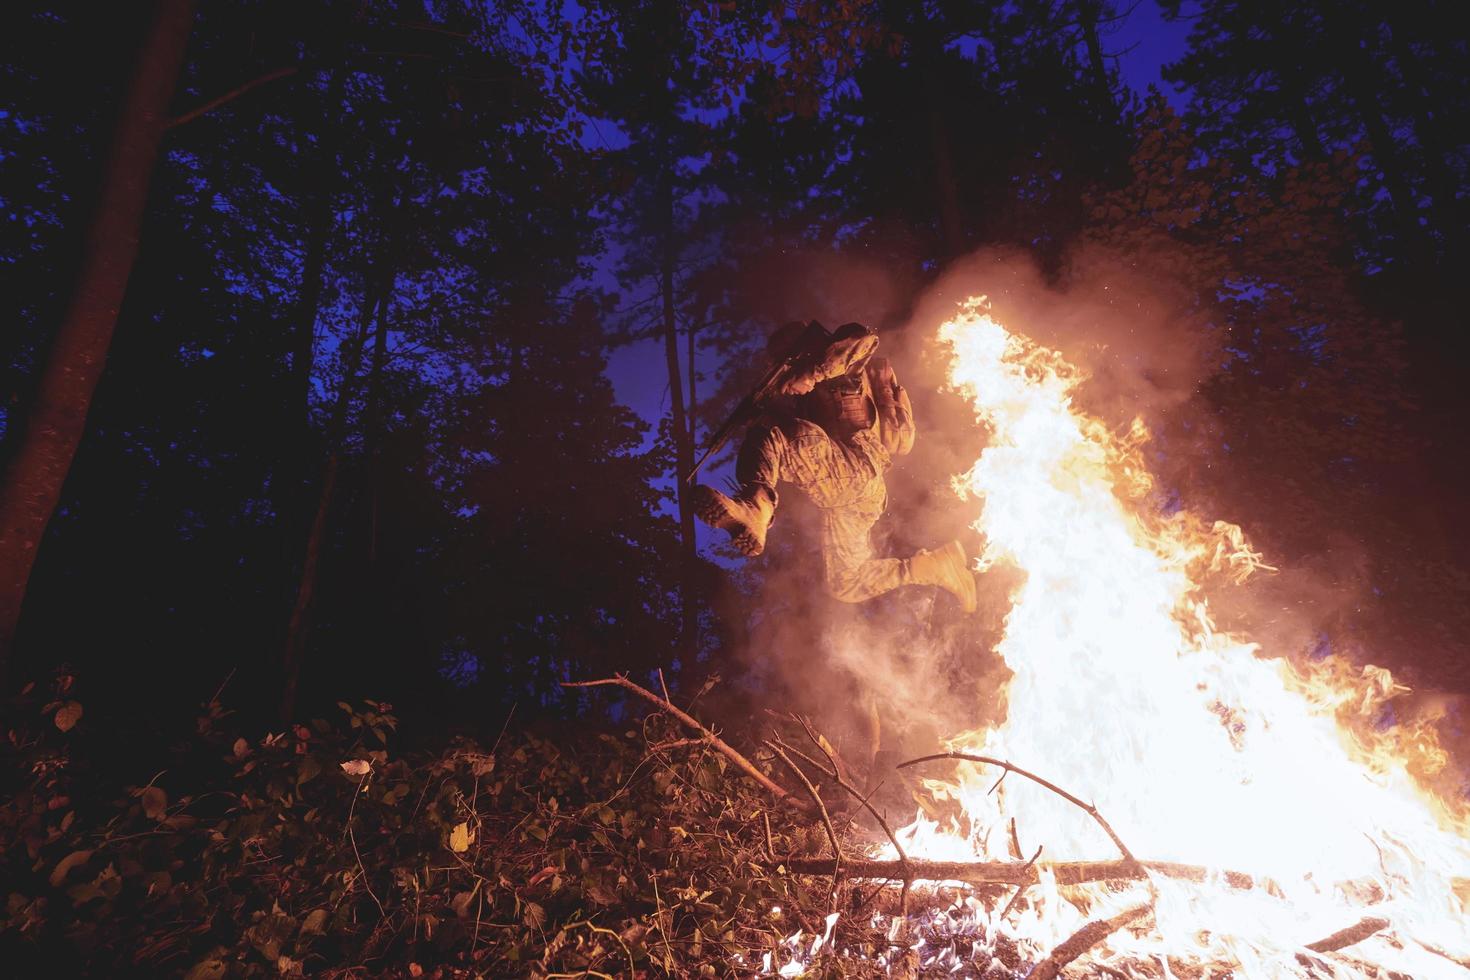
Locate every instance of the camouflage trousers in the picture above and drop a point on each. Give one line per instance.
(844, 480)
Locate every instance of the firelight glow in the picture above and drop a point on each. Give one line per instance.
(1196, 745)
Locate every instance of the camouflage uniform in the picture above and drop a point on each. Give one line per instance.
(832, 432)
(841, 474)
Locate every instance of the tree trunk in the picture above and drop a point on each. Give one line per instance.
(930, 50)
(298, 629)
(299, 456)
(373, 431)
(321, 178)
(683, 436)
(693, 407)
(69, 377)
(1088, 12)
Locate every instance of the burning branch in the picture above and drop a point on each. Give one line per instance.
(1019, 873)
(1349, 936)
(1083, 940)
(744, 764)
(1088, 808)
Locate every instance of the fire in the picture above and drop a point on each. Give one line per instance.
(1196, 745)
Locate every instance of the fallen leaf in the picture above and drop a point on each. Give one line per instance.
(461, 902)
(68, 715)
(210, 969)
(459, 838)
(533, 915)
(64, 866)
(315, 923)
(357, 767)
(155, 802)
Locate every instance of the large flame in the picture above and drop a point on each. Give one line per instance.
(1196, 745)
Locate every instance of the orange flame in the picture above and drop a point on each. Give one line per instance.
(1196, 745)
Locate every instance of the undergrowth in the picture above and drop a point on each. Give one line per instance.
(320, 851)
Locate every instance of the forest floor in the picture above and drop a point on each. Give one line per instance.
(321, 851)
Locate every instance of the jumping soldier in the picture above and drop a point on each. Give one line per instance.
(830, 422)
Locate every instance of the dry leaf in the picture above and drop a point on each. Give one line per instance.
(68, 715)
(64, 866)
(459, 838)
(461, 902)
(155, 802)
(357, 767)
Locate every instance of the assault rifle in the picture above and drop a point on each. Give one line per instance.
(800, 355)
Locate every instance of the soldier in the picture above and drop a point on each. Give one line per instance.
(831, 429)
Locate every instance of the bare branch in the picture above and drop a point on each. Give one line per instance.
(744, 764)
(1088, 808)
(231, 96)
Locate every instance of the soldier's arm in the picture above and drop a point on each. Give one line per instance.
(895, 412)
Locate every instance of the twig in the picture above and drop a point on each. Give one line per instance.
(632, 970)
(1015, 840)
(222, 685)
(1443, 954)
(996, 785)
(677, 743)
(840, 768)
(664, 686)
(1016, 873)
(740, 761)
(1088, 808)
(358, 854)
(230, 96)
(1344, 938)
(511, 714)
(822, 811)
(1020, 889)
(1083, 940)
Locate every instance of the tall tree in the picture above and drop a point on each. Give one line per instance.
(57, 418)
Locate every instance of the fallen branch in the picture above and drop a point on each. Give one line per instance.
(1017, 873)
(1347, 937)
(1088, 808)
(741, 762)
(1083, 940)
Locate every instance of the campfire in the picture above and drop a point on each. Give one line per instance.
(1201, 748)
(1164, 798)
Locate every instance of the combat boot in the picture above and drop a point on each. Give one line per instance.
(948, 568)
(746, 516)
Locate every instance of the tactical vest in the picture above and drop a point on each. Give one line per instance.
(843, 406)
